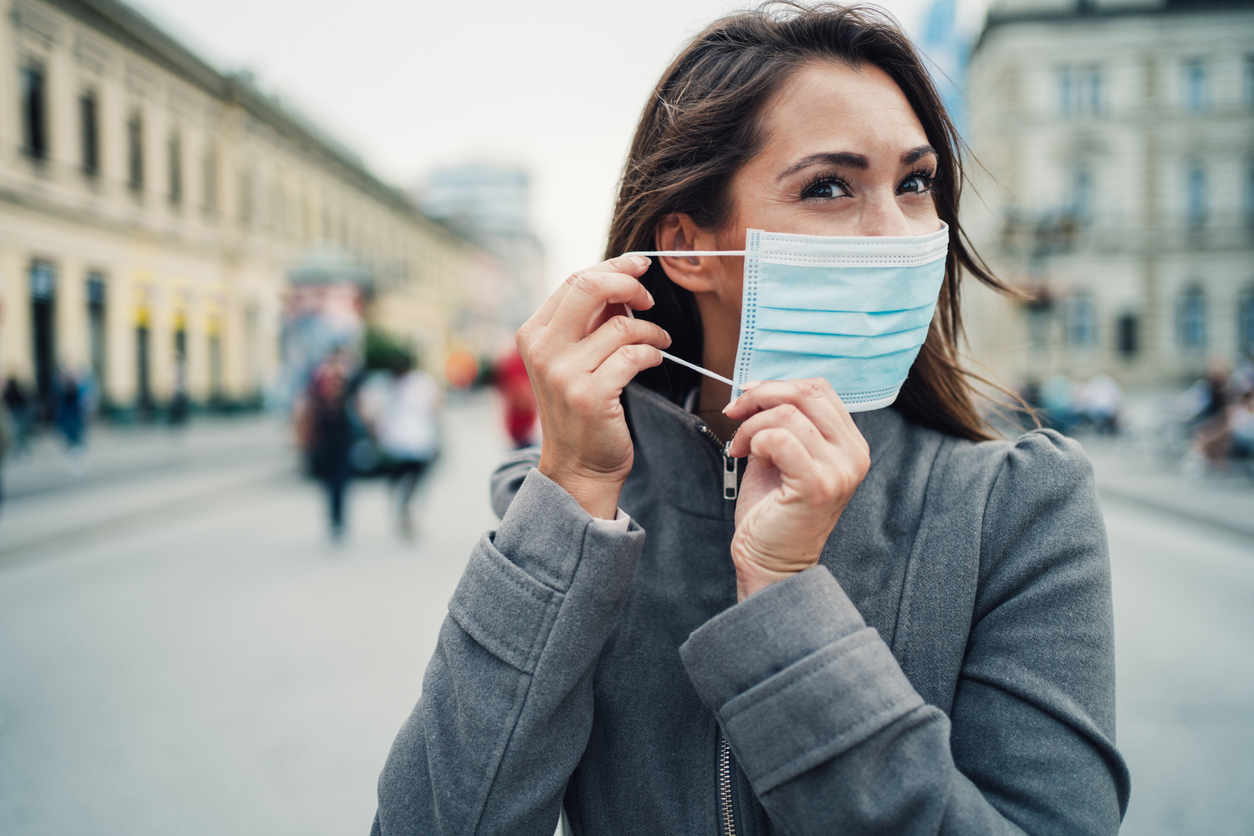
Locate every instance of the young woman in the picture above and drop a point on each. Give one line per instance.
(772, 615)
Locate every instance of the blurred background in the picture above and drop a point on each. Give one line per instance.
(260, 271)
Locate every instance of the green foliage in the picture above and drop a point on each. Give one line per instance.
(384, 351)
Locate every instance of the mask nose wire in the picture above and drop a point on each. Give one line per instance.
(685, 254)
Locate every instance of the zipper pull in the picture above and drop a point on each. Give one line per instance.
(731, 469)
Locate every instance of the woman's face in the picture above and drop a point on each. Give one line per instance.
(844, 155)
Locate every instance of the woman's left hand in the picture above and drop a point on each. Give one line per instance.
(806, 459)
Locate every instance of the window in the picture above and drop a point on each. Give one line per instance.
(1080, 320)
(1191, 320)
(1249, 193)
(96, 324)
(1193, 84)
(245, 198)
(1249, 80)
(34, 111)
(1126, 336)
(209, 174)
(1082, 195)
(175, 155)
(43, 293)
(1080, 91)
(1195, 198)
(89, 132)
(1245, 322)
(135, 151)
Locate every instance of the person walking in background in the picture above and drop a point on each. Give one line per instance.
(520, 401)
(19, 407)
(1209, 422)
(8, 438)
(70, 419)
(407, 431)
(328, 433)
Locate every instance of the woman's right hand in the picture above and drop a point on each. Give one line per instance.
(580, 354)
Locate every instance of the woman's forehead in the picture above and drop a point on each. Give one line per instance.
(829, 104)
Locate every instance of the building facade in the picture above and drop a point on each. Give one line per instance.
(151, 208)
(1115, 182)
(491, 205)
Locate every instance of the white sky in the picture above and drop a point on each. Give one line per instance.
(553, 85)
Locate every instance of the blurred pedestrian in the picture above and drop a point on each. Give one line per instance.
(1099, 402)
(407, 431)
(510, 377)
(179, 405)
(70, 418)
(1058, 403)
(1212, 434)
(21, 409)
(329, 433)
(8, 440)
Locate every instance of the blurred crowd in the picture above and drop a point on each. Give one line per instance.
(1213, 417)
(381, 419)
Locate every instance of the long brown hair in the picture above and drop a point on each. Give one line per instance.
(702, 124)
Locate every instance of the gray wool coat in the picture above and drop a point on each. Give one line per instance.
(948, 668)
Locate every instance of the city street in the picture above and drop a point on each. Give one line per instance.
(182, 651)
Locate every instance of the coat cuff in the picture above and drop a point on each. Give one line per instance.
(795, 677)
(519, 575)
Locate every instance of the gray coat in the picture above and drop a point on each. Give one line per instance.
(948, 668)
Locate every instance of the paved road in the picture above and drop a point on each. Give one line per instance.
(221, 669)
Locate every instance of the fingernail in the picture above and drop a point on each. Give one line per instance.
(745, 387)
(640, 260)
(730, 405)
(650, 295)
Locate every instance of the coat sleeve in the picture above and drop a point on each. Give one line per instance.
(831, 733)
(506, 705)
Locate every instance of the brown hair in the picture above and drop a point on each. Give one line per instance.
(702, 125)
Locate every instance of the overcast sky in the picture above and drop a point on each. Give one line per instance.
(552, 85)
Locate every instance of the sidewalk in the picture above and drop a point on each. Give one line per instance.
(131, 474)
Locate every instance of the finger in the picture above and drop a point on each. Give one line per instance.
(621, 367)
(785, 417)
(814, 396)
(588, 295)
(615, 333)
(631, 265)
(783, 451)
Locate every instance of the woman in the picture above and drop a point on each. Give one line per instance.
(877, 624)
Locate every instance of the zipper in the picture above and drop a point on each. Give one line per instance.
(726, 804)
(727, 810)
(731, 467)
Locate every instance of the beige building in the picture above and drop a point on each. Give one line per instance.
(1118, 138)
(151, 208)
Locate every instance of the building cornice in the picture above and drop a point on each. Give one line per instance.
(1172, 9)
(136, 32)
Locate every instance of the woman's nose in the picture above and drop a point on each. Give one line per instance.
(882, 216)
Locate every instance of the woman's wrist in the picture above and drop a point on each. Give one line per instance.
(750, 580)
(596, 493)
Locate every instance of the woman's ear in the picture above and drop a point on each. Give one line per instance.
(696, 273)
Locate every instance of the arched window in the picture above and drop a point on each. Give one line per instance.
(1191, 319)
(1080, 319)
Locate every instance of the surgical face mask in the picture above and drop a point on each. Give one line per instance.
(854, 311)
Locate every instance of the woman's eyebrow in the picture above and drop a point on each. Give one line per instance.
(915, 154)
(849, 160)
(830, 158)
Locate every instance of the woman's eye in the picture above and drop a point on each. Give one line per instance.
(824, 189)
(917, 184)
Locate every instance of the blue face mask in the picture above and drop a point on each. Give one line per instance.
(854, 311)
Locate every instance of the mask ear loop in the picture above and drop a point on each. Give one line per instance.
(686, 254)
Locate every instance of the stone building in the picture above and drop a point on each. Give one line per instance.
(1117, 145)
(152, 207)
